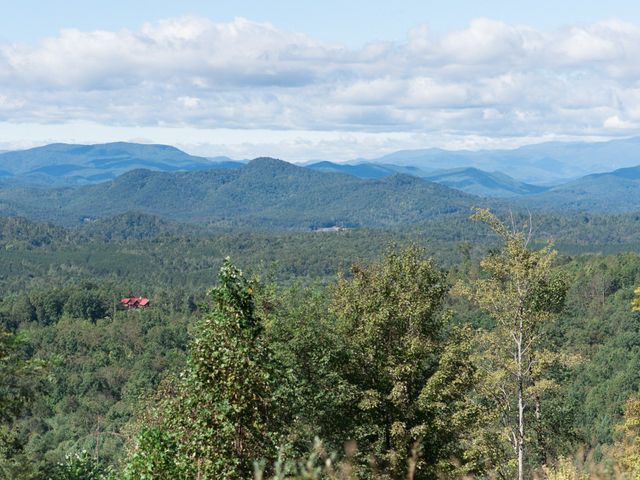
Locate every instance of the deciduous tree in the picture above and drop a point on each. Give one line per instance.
(521, 294)
(410, 365)
(214, 424)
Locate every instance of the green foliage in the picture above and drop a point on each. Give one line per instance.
(627, 449)
(78, 466)
(564, 470)
(21, 381)
(636, 300)
(19, 374)
(219, 414)
(97, 373)
(154, 457)
(521, 295)
(312, 396)
(411, 369)
(61, 288)
(598, 325)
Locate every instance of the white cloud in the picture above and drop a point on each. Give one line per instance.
(189, 102)
(616, 122)
(490, 42)
(491, 80)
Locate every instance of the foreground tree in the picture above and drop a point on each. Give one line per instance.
(409, 365)
(313, 397)
(626, 450)
(214, 423)
(21, 380)
(521, 294)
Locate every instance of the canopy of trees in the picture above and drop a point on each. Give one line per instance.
(479, 355)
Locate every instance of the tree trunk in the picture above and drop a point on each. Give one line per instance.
(521, 421)
(520, 433)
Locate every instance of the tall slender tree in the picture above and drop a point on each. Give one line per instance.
(520, 292)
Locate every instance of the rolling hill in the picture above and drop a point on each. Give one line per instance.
(549, 164)
(97, 181)
(267, 193)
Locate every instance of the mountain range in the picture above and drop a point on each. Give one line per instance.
(68, 164)
(61, 183)
(543, 164)
(547, 163)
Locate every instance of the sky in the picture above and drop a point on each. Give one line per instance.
(310, 80)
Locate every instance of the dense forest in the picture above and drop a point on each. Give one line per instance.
(346, 354)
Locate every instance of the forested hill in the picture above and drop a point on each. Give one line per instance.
(616, 191)
(267, 193)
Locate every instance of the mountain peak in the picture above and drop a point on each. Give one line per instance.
(271, 164)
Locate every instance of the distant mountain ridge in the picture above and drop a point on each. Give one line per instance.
(107, 166)
(470, 180)
(365, 170)
(272, 194)
(542, 163)
(484, 184)
(546, 164)
(68, 164)
(616, 191)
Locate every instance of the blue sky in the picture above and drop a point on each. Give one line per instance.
(353, 21)
(331, 79)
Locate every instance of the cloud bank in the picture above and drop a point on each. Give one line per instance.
(492, 80)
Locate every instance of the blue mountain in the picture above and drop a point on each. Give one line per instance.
(484, 184)
(615, 191)
(470, 180)
(544, 163)
(63, 164)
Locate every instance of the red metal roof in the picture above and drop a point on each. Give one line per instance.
(135, 301)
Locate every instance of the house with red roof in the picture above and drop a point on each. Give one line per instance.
(134, 302)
